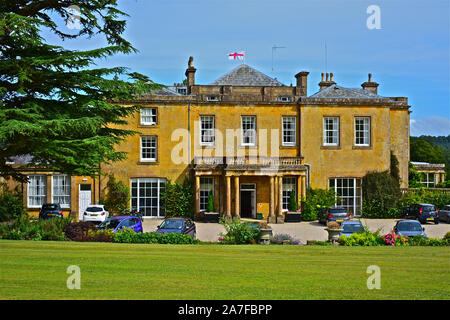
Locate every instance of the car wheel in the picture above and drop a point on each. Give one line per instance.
(436, 221)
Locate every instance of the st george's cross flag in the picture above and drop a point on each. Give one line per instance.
(236, 55)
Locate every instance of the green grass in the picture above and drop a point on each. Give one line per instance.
(37, 270)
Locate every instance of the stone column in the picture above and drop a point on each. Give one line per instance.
(304, 186)
(272, 218)
(236, 197)
(280, 217)
(228, 215)
(197, 194)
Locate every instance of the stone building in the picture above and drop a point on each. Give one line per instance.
(431, 173)
(251, 141)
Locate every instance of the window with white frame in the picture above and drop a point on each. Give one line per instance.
(362, 131)
(149, 148)
(349, 192)
(248, 126)
(61, 190)
(289, 185)
(284, 99)
(427, 179)
(148, 116)
(289, 131)
(207, 130)
(331, 131)
(206, 186)
(146, 196)
(37, 190)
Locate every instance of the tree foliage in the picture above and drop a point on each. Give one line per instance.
(116, 196)
(53, 105)
(178, 199)
(316, 200)
(292, 202)
(210, 205)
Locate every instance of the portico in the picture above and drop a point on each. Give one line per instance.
(245, 187)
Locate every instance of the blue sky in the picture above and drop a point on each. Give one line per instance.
(409, 56)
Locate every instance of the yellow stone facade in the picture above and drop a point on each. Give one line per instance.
(269, 164)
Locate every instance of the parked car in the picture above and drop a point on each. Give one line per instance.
(423, 212)
(178, 225)
(95, 213)
(50, 210)
(132, 212)
(120, 223)
(351, 227)
(409, 228)
(337, 214)
(444, 214)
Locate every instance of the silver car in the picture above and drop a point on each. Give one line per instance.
(444, 214)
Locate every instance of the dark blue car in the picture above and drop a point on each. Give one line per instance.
(351, 227)
(178, 225)
(120, 223)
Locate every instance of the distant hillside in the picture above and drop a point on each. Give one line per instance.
(431, 149)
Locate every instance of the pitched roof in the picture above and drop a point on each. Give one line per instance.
(337, 92)
(243, 75)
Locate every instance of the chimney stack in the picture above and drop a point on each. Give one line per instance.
(190, 74)
(302, 83)
(327, 82)
(370, 86)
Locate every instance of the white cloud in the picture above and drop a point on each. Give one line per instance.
(430, 126)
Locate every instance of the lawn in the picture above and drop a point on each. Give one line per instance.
(37, 270)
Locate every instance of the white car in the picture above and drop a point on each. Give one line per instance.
(95, 213)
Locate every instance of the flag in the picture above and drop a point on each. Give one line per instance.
(236, 55)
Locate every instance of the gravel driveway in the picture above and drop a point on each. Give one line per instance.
(303, 230)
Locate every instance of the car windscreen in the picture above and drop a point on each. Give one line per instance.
(50, 206)
(109, 224)
(94, 209)
(409, 226)
(338, 211)
(352, 227)
(172, 224)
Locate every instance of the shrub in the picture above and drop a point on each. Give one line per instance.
(423, 241)
(392, 239)
(79, 231)
(238, 232)
(284, 238)
(362, 239)
(381, 193)
(178, 199)
(210, 206)
(24, 228)
(333, 225)
(316, 199)
(436, 197)
(292, 202)
(117, 196)
(447, 236)
(11, 203)
(320, 243)
(129, 236)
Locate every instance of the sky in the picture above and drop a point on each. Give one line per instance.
(408, 55)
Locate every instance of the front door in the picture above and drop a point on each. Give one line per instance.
(248, 201)
(84, 199)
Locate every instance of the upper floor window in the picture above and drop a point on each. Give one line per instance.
(148, 148)
(148, 116)
(248, 126)
(37, 190)
(212, 98)
(331, 131)
(207, 130)
(284, 99)
(362, 131)
(61, 190)
(289, 131)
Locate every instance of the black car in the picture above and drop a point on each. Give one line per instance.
(50, 210)
(423, 212)
(337, 214)
(178, 225)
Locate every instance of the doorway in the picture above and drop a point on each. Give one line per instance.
(248, 200)
(84, 199)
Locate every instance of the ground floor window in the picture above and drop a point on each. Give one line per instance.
(61, 190)
(427, 179)
(289, 184)
(206, 186)
(349, 192)
(146, 196)
(37, 190)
